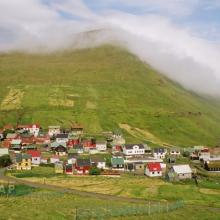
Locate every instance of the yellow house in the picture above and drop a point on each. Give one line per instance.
(23, 162)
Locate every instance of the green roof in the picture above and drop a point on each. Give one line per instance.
(117, 161)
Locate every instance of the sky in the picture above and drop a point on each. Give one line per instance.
(179, 38)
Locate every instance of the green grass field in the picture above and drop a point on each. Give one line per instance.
(103, 88)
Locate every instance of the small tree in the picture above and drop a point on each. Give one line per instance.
(5, 160)
(94, 171)
(186, 153)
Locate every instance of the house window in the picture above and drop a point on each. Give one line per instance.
(152, 172)
(26, 164)
(158, 172)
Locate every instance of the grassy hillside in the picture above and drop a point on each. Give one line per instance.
(104, 88)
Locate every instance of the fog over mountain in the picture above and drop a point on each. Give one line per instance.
(176, 50)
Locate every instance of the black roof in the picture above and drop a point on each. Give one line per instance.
(130, 146)
(83, 162)
(62, 136)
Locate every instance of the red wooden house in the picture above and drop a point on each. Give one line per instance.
(69, 169)
(82, 166)
(27, 139)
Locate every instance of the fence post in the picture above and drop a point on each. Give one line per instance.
(149, 208)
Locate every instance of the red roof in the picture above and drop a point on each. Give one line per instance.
(28, 126)
(154, 167)
(34, 153)
(8, 127)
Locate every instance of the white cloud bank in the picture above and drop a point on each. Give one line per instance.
(30, 25)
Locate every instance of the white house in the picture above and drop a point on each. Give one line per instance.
(133, 149)
(53, 130)
(34, 129)
(62, 138)
(98, 162)
(159, 153)
(54, 159)
(101, 145)
(153, 170)
(35, 156)
(182, 171)
(175, 151)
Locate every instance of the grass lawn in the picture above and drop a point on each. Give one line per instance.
(48, 205)
(207, 193)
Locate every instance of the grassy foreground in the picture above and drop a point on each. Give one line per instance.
(104, 88)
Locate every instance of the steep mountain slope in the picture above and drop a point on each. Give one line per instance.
(104, 88)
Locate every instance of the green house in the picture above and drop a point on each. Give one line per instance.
(117, 162)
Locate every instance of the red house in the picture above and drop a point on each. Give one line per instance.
(42, 139)
(72, 143)
(82, 166)
(27, 139)
(153, 169)
(35, 156)
(89, 144)
(69, 169)
(8, 127)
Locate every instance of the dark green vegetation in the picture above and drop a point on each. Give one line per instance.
(5, 161)
(102, 88)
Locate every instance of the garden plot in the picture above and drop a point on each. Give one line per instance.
(13, 100)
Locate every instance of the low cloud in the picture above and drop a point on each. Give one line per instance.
(47, 26)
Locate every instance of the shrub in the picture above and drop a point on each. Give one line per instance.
(94, 171)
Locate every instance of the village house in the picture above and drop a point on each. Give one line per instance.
(53, 130)
(6, 144)
(101, 145)
(212, 164)
(54, 159)
(147, 149)
(204, 154)
(68, 169)
(72, 158)
(8, 127)
(73, 141)
(98, 162)
(42, 138)
(89, 144)
(117, 163)
(159, 153)
(23, 161)
(62, 138)
(136, 167)
(58, 166)
(35, 156)
(3, 151)
(82, 166)
(77, 129)
(31, 128)
(153, 170)
(118, 138)
(44, 160)
(11, 136)
(29, 147)
(133, 149)
(16, 145)
(175, 151)
(76, 149)
(181, 172)
(59, 148)
(27, 139)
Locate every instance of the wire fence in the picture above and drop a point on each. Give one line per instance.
(102, 213)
